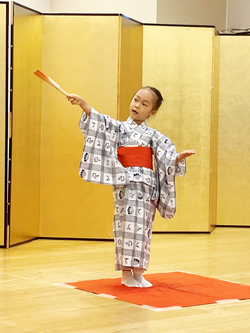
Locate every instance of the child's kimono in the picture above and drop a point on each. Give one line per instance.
(138, 191)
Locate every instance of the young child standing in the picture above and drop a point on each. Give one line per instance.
(121, 154)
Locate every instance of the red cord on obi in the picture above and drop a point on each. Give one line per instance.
(135, 157)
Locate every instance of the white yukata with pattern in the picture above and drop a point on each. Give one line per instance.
(138, 191)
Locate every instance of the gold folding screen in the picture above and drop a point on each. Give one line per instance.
(100, 58)
(26, 144)
(3, 64)
(106, 59)
(179, 61)
(234, 132)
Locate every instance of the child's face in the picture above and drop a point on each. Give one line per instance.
(142, 105)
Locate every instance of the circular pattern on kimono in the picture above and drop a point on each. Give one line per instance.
(121, 194)
(86, 157)
(139, 195)
(130, 210)
(166, 141)
(137, 176)
(83, 173)
(170, 171)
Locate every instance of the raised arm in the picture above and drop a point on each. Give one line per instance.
(77, 100)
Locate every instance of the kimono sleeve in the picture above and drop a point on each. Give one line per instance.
(99, 162)
(89, 123)
(84, 123)
(166, 170)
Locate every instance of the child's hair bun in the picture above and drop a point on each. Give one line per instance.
(159, 100)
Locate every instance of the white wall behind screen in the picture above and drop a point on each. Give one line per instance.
(144, 11)
(43, 6)
(238, 14)
(193, 12)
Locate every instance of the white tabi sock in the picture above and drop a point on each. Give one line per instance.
(139, 277)
(129, 281)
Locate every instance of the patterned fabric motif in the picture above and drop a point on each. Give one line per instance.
(133, 220)
(99, 163)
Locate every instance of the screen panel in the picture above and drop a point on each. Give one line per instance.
(81, 54)
(25, 179)
(234, 132)
(179, 62)
(213, 195)
(130, 64)
(3, 79)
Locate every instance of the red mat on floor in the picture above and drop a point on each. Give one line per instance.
(170, 290)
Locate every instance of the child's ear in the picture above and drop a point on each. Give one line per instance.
(153, 112)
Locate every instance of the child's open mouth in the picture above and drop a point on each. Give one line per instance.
(135, 112)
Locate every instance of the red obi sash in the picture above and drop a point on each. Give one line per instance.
(135, 157)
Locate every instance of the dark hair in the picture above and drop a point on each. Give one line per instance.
(159, 99)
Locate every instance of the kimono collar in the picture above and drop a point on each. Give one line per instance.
(133, 124)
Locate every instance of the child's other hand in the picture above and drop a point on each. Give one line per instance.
(184, 154)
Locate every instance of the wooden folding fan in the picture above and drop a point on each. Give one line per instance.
(47, 79)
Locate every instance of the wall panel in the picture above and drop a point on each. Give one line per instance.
(43, 6)
(213, 195)
(193, 12)
(25, 181)
(238, 14)
(234, 132)
(3, 64)
(179, 62)
(81, 54)
(140, 10)
(130, 64)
